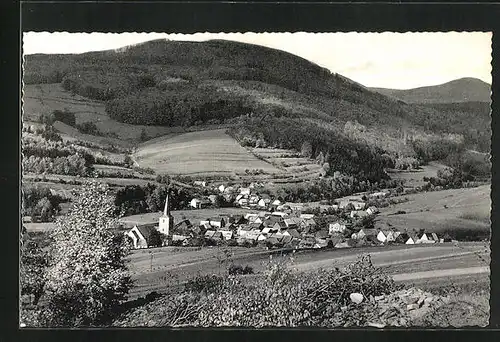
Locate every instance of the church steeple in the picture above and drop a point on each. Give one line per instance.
(166, 221)
(166, 210)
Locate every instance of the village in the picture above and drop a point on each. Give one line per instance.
(273, 223)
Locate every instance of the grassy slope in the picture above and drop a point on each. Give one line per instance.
(465, 209)
(196, 153)
(461, 90)
(45, 98)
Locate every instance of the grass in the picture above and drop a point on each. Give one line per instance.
(45, 98)
(438, 211)
(199, 153)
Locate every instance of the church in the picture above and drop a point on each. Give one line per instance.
(143, 235)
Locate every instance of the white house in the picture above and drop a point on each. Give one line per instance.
(199, 203)
(242, 201)
(426, 238)
(279, 213)
(200, 183)
(217, 222)
(306, 216)
(264, 202)
(261, 237)
(276, 202)
(382, 236)
(227, 234)
(222, 188)
(245, 191)
(336, 227)
(358, 205)
(378, 195)
(372, 210)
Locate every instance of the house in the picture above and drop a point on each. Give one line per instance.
(256, 226)
(222, 188)
(378, 195)
(362, 233)
(343, 204)
(279, 226)
(336, 228)
(279, 213)
(286, 239)
(372, 210)
(435, 237)
(142, 236)
(292, 222)
(401, 238)
(177, 237)
(293, 233)
(183, 226)
(272, 240)
(358, 205)
(308, 223)
(269, 230)
(209, 234)
(248, 215)
(205, 222)
(227, 234)
(217, 236)
(262, 237)
(359, 213)
(217, 222)
(382, 236)
(306, 216)
(263, 203)
(332, 241)
(271, 221)
(245, 191)
(426, 238)
(199, 203)
(237, 219)
(242, 202)
(254, 199)
(412, 239)
(252, 235)
(238, 197)
(229, 190)
(321, 234)
(276, 202)
(200, 183)
(244, 229)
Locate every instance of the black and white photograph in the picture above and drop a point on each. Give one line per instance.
(255, 180)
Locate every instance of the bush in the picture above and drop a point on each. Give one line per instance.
(205, 284)
(238, 269)
(88, 128)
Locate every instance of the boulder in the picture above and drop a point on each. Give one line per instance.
(356, 297)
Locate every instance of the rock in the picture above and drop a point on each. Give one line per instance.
(356, 297)
(410, 307)
(376, 325)
(379, 298)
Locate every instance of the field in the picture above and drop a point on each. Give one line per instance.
(155, 269)
(209, 152)
(45, 98)
(440, 210)
(415, 178)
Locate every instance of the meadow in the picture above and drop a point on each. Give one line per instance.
(438, 211)
(199, 153)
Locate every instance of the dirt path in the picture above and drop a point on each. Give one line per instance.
(441, 273)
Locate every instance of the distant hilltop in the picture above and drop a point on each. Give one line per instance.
(465, 89)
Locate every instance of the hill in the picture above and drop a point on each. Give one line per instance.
(466, 89)
(186, 84)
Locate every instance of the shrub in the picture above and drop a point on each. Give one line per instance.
(238, 269)
(87, 278)
(206, 284)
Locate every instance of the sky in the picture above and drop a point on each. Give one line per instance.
(387, 60)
